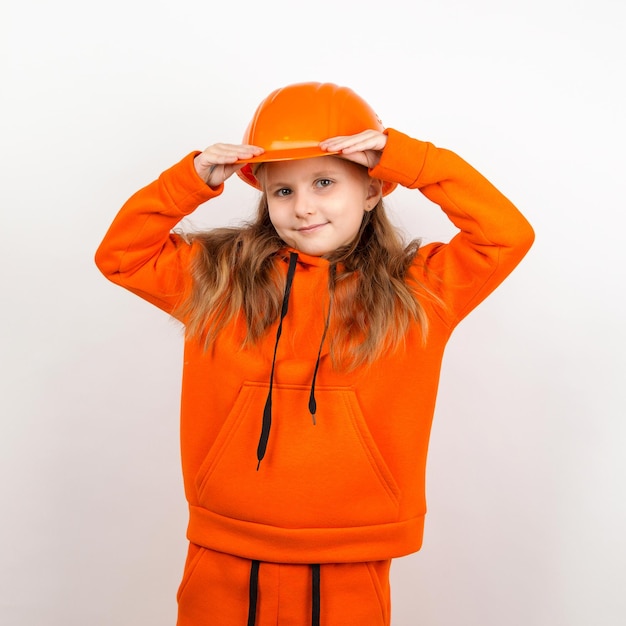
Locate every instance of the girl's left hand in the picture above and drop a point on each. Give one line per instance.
(364, 148)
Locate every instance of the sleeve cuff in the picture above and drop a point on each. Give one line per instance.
(185, 188)
(402, 160)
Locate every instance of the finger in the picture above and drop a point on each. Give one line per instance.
(248, 151)
(336, 144)
(366, 140)
(364, 135)
(229, 153)
(218, 174)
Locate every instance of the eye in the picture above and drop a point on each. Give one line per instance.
(282, 192)
(323, 182)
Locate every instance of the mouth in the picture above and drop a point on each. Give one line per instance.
(311, 228)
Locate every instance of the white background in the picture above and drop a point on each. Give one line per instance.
(526, 480)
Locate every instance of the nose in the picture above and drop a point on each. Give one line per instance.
(303, 205)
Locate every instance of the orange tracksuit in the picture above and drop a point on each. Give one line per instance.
(349, 489)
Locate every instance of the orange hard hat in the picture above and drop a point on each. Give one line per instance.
(291, 122)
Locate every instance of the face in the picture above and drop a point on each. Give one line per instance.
(317, 205)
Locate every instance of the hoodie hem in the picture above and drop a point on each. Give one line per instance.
(262, 542)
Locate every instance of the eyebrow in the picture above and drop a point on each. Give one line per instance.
(326, 173)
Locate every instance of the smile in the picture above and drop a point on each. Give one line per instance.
(311, 228)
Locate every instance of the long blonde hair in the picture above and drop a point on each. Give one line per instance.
(375, 297)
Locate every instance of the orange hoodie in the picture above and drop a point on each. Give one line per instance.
(350, 487)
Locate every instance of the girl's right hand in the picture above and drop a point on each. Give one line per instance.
(218, 162)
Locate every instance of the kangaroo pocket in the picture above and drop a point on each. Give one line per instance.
(328, 475)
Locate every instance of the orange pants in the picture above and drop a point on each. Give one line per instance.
(215, 591)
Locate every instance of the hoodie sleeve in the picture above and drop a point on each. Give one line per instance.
(139, 251)
(493, 235)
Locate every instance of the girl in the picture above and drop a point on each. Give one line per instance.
(313, 347)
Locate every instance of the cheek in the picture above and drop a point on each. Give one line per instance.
(275, 215)
(279, 220)
(357, 218)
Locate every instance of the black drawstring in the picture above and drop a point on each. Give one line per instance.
(253, 592)
(267, 411)
(312, 402)
(265, 434)
(315, 613)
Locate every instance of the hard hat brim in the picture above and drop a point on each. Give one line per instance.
(288, 154)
